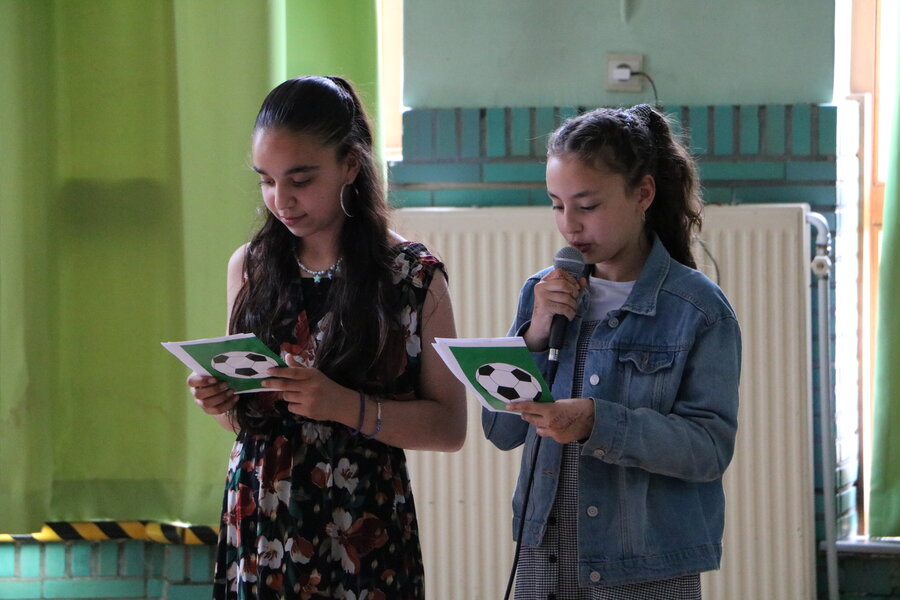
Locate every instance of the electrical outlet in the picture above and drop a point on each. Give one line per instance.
(614, 65)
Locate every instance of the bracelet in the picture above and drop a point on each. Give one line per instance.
(362, 414)
(378, 422)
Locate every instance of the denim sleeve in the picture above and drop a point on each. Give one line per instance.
(694, 442)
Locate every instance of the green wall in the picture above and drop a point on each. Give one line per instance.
(336, 38)
(539, 53)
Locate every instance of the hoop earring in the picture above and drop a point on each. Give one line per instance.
(349, 216)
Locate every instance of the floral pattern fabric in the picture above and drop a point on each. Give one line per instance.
(312, 510)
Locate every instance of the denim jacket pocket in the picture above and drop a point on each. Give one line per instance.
(647, 375)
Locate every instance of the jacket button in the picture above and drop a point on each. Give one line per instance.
(614, 322)
(595, 379)
(599, 453)
(592, 511)
(595, 576)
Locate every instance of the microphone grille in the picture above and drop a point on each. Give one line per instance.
(571, 260)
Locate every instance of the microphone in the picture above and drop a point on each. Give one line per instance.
(570, 260)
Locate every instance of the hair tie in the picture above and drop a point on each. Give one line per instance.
(642, 111)
(652, 120)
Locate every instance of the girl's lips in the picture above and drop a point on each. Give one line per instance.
(290, 220)
(581, 247)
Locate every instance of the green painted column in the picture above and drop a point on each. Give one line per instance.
(335, 38)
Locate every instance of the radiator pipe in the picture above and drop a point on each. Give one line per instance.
(821, 269)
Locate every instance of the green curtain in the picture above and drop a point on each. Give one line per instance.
(884, 508)
(124, 188)
(25, 308)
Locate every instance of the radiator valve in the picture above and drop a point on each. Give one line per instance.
(821, 265)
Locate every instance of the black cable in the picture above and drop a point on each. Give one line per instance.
(653, 85)
(512, 573)
(711, 257)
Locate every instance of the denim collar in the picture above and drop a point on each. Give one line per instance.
(642, 299)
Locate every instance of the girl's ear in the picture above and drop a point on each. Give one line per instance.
(646, 192)
(352, 166)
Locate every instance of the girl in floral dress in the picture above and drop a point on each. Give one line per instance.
(318, 501)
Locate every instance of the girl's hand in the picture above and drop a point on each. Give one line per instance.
(556, 294)
(210, 394)
(311, 394)
(565, 420)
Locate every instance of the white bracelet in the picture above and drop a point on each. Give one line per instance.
(378, 422)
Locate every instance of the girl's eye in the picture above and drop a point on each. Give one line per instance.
(265, 182)
(556, 206)
(588, 208)
(300, 183)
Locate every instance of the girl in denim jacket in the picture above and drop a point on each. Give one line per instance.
(627, 499)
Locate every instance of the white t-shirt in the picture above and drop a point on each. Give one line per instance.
(606, 296)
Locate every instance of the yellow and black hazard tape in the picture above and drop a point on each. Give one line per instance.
(153, 531)
(166, 533)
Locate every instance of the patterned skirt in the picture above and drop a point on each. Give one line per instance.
(317, 512)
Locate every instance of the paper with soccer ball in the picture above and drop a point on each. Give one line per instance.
(497, 370)
(240, 360)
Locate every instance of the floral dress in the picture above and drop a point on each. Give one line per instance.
(312, 510)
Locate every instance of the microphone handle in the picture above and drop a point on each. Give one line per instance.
(557, 331)
(550, 375)
(557, 334)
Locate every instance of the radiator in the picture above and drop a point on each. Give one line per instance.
(761, 255)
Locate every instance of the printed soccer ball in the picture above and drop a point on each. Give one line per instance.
(508, 383)
(243, 365)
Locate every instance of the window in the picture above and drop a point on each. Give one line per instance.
(390, 72)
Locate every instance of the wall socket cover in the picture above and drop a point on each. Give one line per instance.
(635, 62)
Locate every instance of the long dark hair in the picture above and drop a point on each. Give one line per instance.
(633, 143)
(353, 350)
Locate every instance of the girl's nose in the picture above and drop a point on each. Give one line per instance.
(571, 222)
(284, 197)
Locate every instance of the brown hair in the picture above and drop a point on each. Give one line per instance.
(633, 143)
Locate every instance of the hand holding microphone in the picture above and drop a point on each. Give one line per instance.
(555, 304)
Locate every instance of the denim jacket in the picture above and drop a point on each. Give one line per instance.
(663, 374)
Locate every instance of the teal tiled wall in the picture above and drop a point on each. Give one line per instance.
(495, 156)
(112, 569)
(869, 577)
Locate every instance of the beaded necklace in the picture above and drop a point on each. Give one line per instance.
(317, 275)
